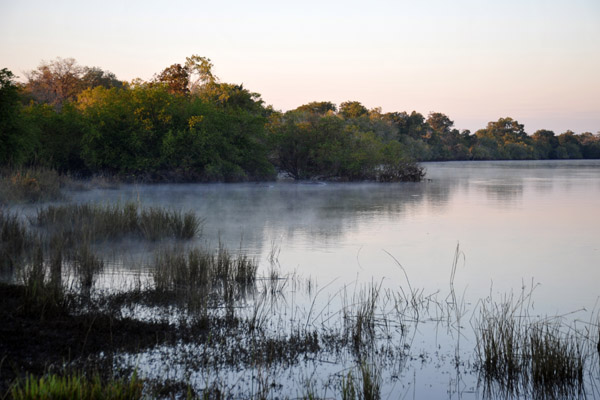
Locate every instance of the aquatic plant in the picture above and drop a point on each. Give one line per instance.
(14, 238)
(76, 386)
(199, 276)
(29, 185)
(110, 222)
(522, 354)
(87, 265)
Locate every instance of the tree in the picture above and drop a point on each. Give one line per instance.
(569, 146)
(95, 76)
(55, 82)
(61, 80)
(590, 145)
(352, 109)
(177, 79)
(506, 130)
(545, 143)
(200, 72)
(440, 123)
(15, 138)
(317, 107)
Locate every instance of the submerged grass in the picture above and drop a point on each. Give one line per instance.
(111, 222)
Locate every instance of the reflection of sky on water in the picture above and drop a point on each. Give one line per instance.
(517, 223)
(514, 221)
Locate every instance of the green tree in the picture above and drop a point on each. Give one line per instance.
(545, 143)
(590, 145)
(317, 107)
(569, 146)
(506, 130)
(59, 135)
(95, 76)
(353, 109)
(15, 135)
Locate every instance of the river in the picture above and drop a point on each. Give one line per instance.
(517, 225)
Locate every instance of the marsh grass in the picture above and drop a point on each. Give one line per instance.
(520, 354)
(203, 278)
(76, 386)
(87, 265)
(360, 317)
(112, 222)
(43, 297)
(363, 382)
(14, 239)
(29, 185)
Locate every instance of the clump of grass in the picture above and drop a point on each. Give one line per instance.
(556, 358)
(29, 185)
(87, 265)
(42, 297)
(108, 222)
(371, 381)
(360, 318)
(155, 223)
(523, 355)
(174, 271)
(76, 386)
(198, 275)
(365, 386)
(14, 239)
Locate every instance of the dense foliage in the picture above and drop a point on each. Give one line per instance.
(185, 125)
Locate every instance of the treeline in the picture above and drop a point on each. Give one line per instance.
(186, 125)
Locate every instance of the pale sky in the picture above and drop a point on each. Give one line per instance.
(475, 61)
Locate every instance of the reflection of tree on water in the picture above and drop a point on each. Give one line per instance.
(504, 193)
(247, 213)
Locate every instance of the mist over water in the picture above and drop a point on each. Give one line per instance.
(514, 221)
(517, 224)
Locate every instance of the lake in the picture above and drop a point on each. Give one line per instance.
(514, 226)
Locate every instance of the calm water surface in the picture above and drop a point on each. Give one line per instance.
(516, 224)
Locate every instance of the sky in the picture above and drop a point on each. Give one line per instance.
(536, 61)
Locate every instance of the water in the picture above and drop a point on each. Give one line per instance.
(530, 223)
(514, 222)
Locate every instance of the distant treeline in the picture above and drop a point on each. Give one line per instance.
(186, 125)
